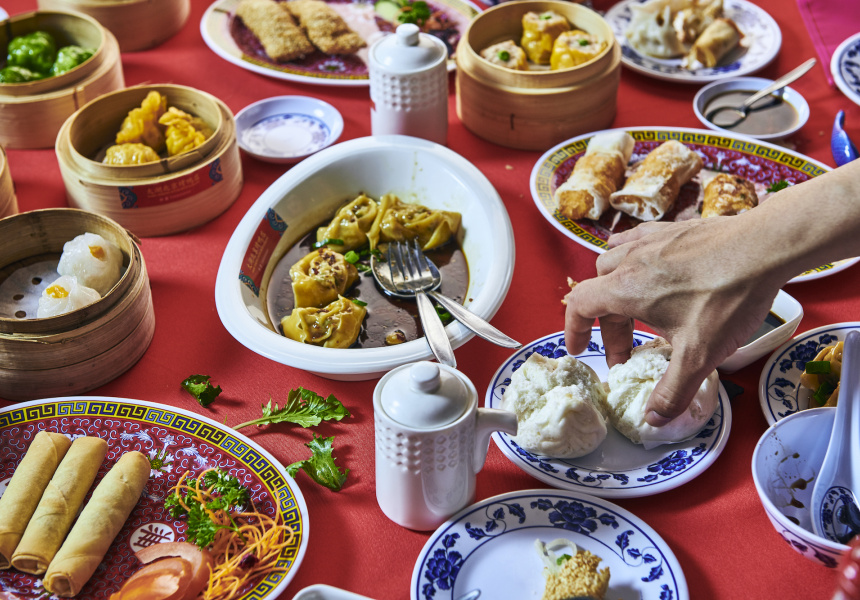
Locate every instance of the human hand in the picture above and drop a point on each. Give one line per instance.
(697, 283)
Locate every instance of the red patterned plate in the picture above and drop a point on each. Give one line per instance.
(762, 163)
(175, 441)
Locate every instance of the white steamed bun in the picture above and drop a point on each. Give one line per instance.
(630, 385)
(64, 295)
(556, 403)
(95, 261)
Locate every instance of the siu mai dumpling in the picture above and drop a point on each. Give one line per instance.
(401, 222)
(336, 325)
(95, 261)
(130, 154)
(141, 124)
(64, 295)
(573, 48)
(350, 225)
(539, 33)
(320, 277)
(184, 132)
(506, 54)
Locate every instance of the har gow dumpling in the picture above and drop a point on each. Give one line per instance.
(95, 261)
(65, 295)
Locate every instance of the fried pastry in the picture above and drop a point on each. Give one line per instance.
(324, 27)
(282, 39)
(728, 194)
(720, 38)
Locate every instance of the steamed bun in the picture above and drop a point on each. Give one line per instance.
(556, 402)
(630, 385)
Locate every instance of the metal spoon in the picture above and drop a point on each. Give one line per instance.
(744, 109)
(835, 513)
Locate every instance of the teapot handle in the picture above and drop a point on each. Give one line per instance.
(488, 421)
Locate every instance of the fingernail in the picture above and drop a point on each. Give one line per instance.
(655, 419)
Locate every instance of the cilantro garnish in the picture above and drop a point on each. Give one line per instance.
(303, 407)
(227, 494)
(320, 466)
(416, 12)
(199, 387)
(779, 185)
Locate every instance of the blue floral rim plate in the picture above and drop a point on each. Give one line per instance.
(779, 389)
(618, 468)
(845, 67)
(490, 546)
(760, 44)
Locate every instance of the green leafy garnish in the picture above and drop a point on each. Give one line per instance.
(358, 302)
(584, 42)
(504, 55)
(303, 407)
(320, 466)
(228, 494)
(818, 367)
(779, 185)
(326, 242)
(416, 12)
(199, 387)
(352, 257)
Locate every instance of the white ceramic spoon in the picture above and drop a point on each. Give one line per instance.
(835, 514)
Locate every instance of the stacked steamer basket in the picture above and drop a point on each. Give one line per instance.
(32, 113)
(8, 201)
(535, 109)
(157, 198)
(136, 24)
(77, 351)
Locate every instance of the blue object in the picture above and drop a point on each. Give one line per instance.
(841, 146)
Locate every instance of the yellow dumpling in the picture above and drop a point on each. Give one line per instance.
(184, 132)
(335, 325)
(539, 33)
(141, 125)
(130, 154)
(573, 48)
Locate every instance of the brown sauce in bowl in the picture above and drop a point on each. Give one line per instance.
(777, 114)
(386, 316)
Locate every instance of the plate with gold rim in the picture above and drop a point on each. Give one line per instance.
(762, 163)
(175, 441)
(227, 37)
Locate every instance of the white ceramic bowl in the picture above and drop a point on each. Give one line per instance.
(784, 465)
(310, 192)
(792, 97)
(287, 129)
(784, 307)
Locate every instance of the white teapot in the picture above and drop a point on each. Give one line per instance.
(431, 441)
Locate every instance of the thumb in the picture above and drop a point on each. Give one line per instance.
(674, 392)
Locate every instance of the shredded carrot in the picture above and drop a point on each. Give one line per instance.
(245, 548)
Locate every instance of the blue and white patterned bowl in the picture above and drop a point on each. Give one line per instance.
(784, 464)
(845, 67)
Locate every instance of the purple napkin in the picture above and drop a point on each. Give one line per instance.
(829, 22)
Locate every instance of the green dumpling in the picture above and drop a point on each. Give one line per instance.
(35, 51)
(18, 75)
(69, 57)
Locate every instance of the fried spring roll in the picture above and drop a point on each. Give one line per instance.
(324, 27)
(728, 195)
(654, 186)
(716, 41)
(101, 520)
(596, 175)
(59, 505)
(29, 481)
(282, 39)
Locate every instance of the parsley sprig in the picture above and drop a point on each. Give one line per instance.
(320, 466)
(303, 407)
(416, 12)
(199, 387)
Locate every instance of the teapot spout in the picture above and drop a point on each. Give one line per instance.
(490, 420)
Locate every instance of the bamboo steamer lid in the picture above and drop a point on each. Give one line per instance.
(136, 24)
(77, 351)
(32, 113)
(535, 109)
(158, 198)
(8, 200)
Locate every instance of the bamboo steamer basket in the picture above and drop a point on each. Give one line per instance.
(158, 198)
(77, 351)
(535, 109)
(8, 200)
(136, 24)
(32, 113)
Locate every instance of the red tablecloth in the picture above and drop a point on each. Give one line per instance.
(715, 524)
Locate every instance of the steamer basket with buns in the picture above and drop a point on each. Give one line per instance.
(535, 109)
(76, 351)
(32, 113)
(136, 24)
(8, 200)
(157, 198)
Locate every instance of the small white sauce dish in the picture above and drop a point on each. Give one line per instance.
(287, 129)
(708, 93)
(790, 312)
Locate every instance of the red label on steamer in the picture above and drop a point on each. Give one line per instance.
(174, 190)
(260, 250)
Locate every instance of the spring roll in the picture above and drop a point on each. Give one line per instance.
(654, 186)
(281, 38)
(59, 505)
(31, 477)
(717, 40)
(324, 27)
(728, 195)
(101, 520)
(596, 175)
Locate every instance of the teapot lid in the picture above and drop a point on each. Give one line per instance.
(423, 396)
(408, 50)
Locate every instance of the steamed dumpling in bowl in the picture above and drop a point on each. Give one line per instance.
(95, 261)
(64, 295)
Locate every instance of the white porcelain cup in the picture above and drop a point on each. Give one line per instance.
(431, 441)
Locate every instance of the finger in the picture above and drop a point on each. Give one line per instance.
(674, 391)
(608, 261)
(577, 322)
(617, 334)
(636, 233)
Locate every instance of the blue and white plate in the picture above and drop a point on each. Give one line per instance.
(760, 44)
(779, 389)
(490, 546)
(845, 67)
(618, 468)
